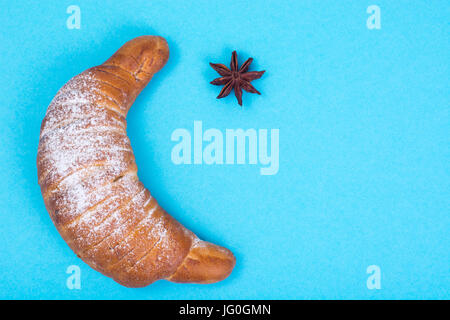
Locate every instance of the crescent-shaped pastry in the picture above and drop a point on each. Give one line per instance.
(88, 178)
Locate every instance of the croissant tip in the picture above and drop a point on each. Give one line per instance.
(149, 53)
(206, 263)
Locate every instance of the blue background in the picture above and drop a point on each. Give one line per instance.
(364, 143)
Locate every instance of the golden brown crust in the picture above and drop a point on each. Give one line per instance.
(88, 178)
(205, 263)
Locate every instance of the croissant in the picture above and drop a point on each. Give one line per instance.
(88, 179)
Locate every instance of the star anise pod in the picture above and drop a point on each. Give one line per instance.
(235, 78)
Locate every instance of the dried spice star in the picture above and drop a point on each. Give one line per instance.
(235, 78)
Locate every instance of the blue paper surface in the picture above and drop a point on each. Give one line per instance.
(364, 147)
